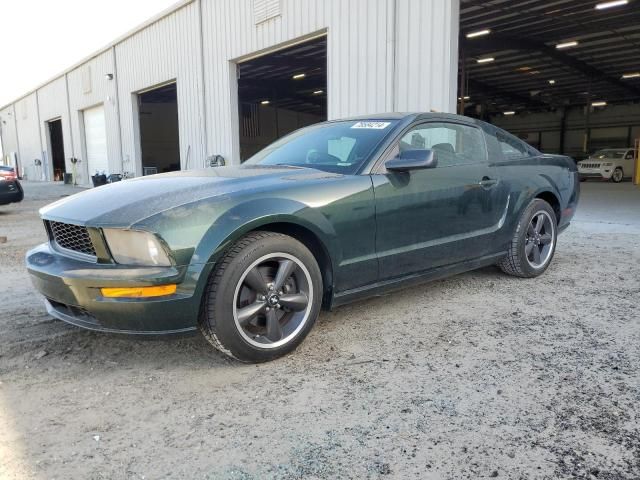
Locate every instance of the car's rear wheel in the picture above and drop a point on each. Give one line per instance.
(534, 241)
(263, 298)
(617, 175)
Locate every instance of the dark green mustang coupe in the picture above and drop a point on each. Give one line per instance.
(330, 213)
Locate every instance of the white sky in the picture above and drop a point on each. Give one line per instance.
(41, 38)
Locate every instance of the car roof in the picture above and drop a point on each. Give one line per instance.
(408, 116)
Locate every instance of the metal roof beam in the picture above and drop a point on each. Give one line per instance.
(498, 41)
(476, 85)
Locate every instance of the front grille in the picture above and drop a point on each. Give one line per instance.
(72, 237)
(590, 165)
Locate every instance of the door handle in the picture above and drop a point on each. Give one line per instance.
(487, 182)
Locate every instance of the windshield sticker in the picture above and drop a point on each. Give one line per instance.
(373, 125)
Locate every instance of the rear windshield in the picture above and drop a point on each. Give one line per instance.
(337, 147)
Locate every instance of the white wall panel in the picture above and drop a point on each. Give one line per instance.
(427, 55)
(167, 50)
(101, 91)
(8, 131)
(52, 101)
(383, 55)
(29, 137)
(367, 41)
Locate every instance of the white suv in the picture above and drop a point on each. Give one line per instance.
(611, 163)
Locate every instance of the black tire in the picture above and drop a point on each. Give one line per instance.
(220, 318)
(618, 175)
(519, 261)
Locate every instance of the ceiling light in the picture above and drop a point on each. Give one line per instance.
(479, 33)
(567, 44)
(318, 92)
(599, 104)
(631, 75)
(299, 76)
(524, 69)
(615, 3)
(264, 102)
(552, 82)
(485, 60)
(509, 112)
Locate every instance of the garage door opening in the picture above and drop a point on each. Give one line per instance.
(56, 144)
(563, 77)
(281, 92)
(159, 141)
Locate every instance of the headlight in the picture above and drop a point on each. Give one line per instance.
(131, 247)
(607, 164)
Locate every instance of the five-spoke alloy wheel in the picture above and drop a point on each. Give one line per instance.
(539, 239)
(263, 297)
(534, 241)
(272, 300)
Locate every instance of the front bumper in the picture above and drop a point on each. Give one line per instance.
(72, 291)
(595, 173)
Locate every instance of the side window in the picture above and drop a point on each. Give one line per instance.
(630, 155)
(454, 144)
(511, 147)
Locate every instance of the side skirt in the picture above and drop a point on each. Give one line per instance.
(385, 286)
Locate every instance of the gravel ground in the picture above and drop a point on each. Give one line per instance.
(480, 375)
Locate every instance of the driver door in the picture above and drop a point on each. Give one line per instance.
(437, 216)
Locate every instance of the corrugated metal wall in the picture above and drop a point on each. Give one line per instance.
(27, 124)
(168, 50)
(368, 40)
(88, 87)
(52, 101)
(383, 55)
(8, 131)
(427, 55)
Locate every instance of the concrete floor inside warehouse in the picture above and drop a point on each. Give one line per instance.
(479, 375)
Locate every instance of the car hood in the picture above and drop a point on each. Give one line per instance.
(126, 203)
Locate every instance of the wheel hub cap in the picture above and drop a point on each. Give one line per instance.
(273, 300)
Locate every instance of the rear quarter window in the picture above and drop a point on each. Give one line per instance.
(513, 148)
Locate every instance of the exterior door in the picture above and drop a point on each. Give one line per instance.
(438, 216)
(96, 140)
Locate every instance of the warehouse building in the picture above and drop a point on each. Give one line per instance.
(212, 79)
(224, 78)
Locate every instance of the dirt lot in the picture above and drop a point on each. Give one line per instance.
(481, 375)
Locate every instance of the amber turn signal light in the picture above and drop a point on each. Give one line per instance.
(138, 292)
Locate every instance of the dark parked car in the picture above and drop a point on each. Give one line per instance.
(10, 188)
(331, 213)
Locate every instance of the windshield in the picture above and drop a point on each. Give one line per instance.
(609, 154)
(337, 147)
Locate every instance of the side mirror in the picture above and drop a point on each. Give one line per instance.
(412, 160)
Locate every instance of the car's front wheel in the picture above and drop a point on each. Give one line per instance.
(263, 298)
(617, 175)
(533, 243)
